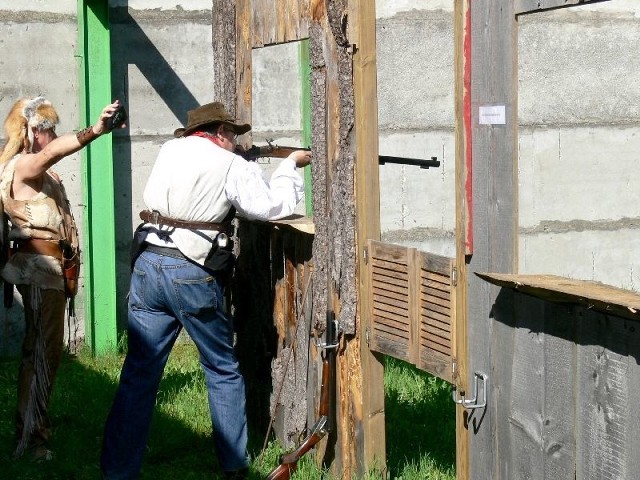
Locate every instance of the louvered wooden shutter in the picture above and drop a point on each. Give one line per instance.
(411, 311)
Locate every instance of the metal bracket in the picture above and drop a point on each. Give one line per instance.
(473, 403)
(325, 345)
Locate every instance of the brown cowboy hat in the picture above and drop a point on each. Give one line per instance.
(208, 114)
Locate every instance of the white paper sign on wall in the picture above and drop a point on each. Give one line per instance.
(492, 115)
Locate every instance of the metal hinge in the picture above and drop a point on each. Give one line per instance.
(454, 276)
(365, 255)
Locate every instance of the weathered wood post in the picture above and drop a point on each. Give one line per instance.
(346, 215)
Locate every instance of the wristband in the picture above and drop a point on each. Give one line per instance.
(86, 136)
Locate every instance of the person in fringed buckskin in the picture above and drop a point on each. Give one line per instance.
(184, 255)
(43, 260)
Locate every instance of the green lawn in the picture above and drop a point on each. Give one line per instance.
(420, 419)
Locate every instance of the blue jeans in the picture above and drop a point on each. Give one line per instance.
(167, 294)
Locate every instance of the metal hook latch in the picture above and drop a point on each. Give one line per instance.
(325, 345)
(472, 403)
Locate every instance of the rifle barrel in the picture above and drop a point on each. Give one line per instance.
(420, 162)
(279, 151)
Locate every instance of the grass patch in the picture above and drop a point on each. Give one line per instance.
(420, 419)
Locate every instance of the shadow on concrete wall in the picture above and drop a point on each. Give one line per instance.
(131, 46)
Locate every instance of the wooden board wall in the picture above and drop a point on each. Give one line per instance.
(565, 380)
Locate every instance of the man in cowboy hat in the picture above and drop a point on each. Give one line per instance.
(44, 238)
(196, 186)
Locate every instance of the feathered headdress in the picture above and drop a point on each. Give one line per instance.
(25, 114)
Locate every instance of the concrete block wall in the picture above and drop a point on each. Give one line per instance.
(579, 146)
(37, 57)
(579, 105)
(162, 66)
(416, 120)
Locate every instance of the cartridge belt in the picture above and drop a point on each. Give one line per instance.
(157, 219)
(38, 246)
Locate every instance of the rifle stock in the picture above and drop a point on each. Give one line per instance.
(269, 150)
(289, 461)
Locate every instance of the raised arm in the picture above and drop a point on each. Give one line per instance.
(31, 166)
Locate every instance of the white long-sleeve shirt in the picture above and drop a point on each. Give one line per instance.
(195, 180)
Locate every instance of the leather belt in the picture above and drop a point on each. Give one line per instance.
(39, 246)
(166, 251)
(157, 219)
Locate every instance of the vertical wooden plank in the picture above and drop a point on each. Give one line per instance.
(504, 319)
(414, 261)
(268, 11)
(282, 20)
(224, 52)
(464, 131)
(631, 340)
(293, 21)
(542, 410)
(306, 282)
(305, 16)
(362, 19)
(243, 62)
(607, 438)
(335, 213)
(323, 138)
(462, 58)
(283, 365)
(525, 409)
(319, 146)
(258, 16)
(494, 194)
(341, 448)
(534, 371)
(560, 387)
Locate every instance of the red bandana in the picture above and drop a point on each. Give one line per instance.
(206, 135)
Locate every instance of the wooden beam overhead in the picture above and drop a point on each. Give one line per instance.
(532, 6)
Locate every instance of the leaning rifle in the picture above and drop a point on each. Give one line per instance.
(326, 410)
